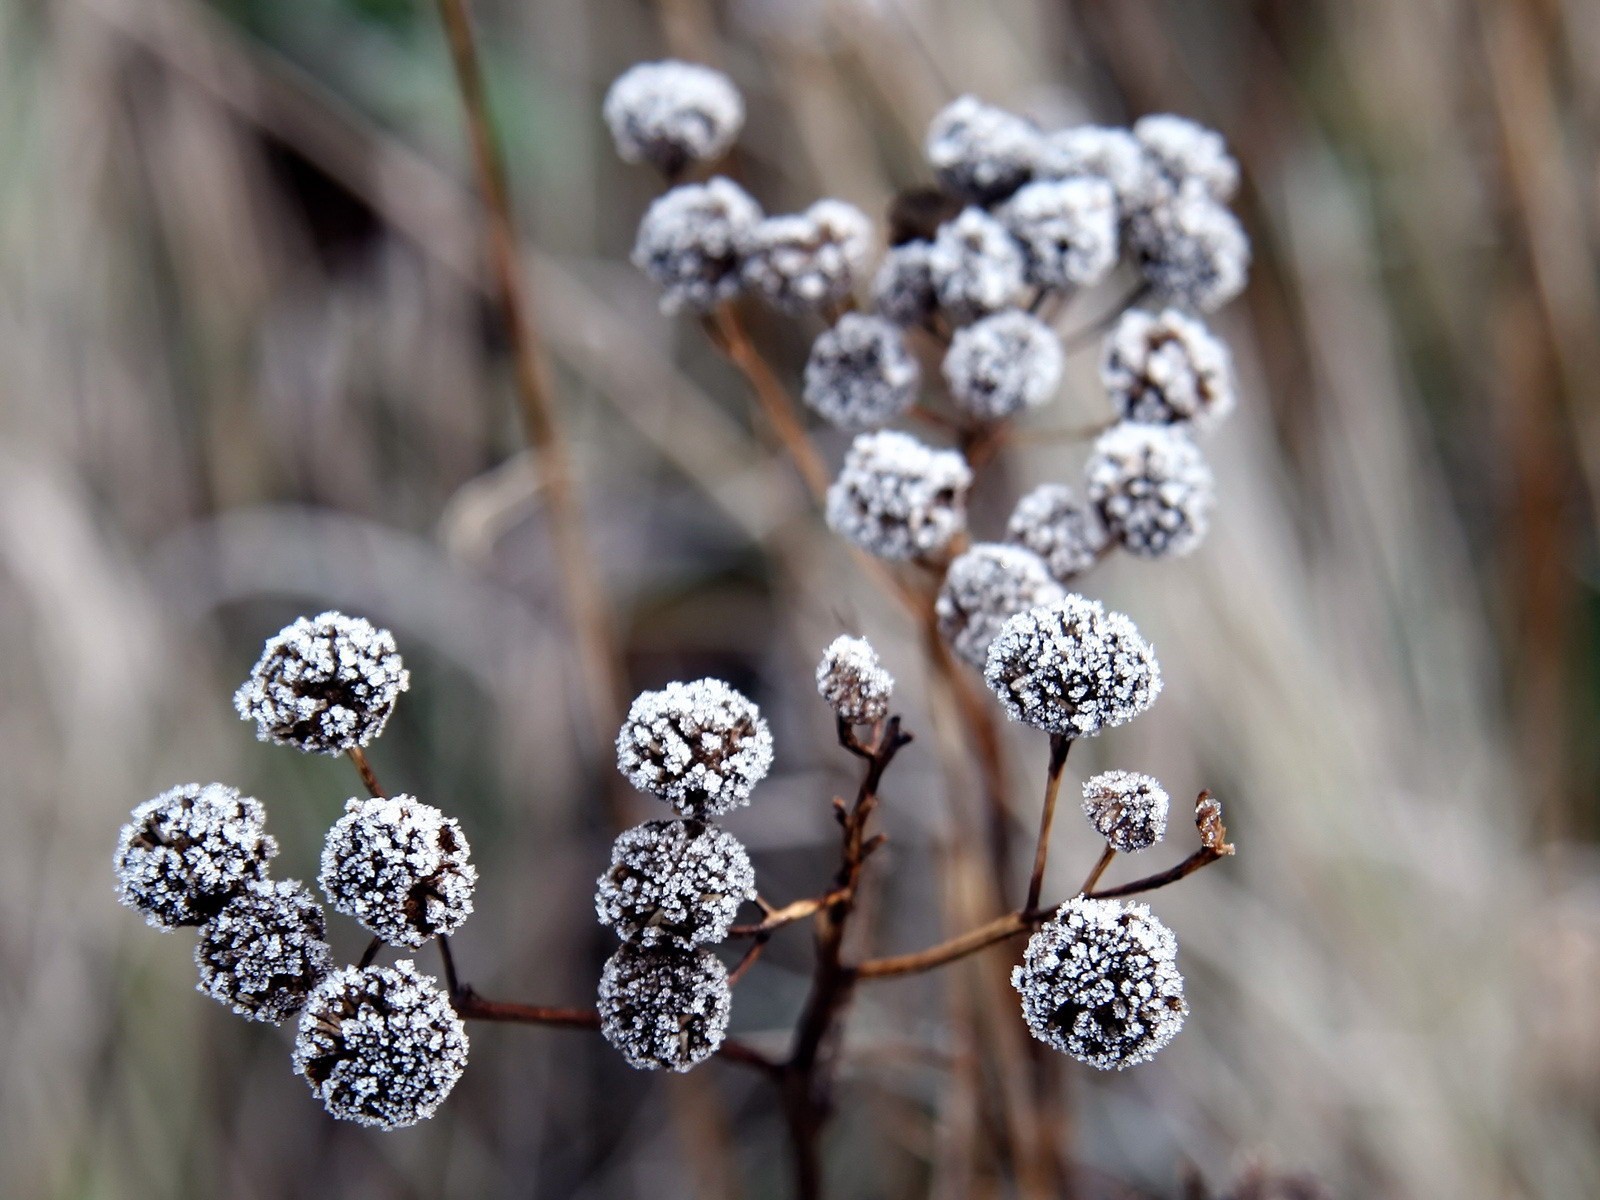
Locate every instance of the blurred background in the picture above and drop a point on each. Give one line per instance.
(248, 370)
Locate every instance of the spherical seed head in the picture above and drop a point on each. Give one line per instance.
(664, 1008)
(400, 867)
(1103, 152)
(1100, 982)
(898, 498)
(1072, 668)
(692, 243)
(1002, 364)
(1061, 528)
(980, 152)
(860, 374)
(325, 684)
(701, 746)
(1067, 229)
(674, 883)
(265, 952)
(672, 113)
(1180, 149)
(976, 266)
(1191, 249)
(1129, 809)
(853, 683)
(1151, 487)
(805, 261)
(184, 854)
(380, 1045)
(903, 290)
(983, 589)
(1167, 368)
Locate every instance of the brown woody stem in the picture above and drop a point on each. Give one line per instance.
(368, 777)
(1060, 747)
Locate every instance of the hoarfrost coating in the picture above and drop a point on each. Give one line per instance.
(806, 261)
(1180, 150)
(663, 1008)
(1167, 368)
(1067, 229)
(1126, 808)
(1002, 364)
(1191, 249)
(976, 266)
(981, 152)
(674, 883)
(983, 589)
(701, 746)
(860, 374)
(898, 498)
(265, 952)
(1151, 487)
(853, 683)
(692, 242)
(1060, 527)
(903, 290)
(671, 113)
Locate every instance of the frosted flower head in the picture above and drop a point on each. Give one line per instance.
(1002, 364)
(1180, 149)
(1067, 229)
(663, 1008)
(805, 261)
(676, 883)
(692, 242)
(1128, 809)
(898, 498)
(1061, 528)
(983, 589)
(1104, 152)
(671, 113)
(325, 684)
(1100, 982)
(265, 951)
(860, 374)
(1071, 668)
(976, 266)
(1151, 487)
(1167, 368)
(380, 1045)
(853, 683)
(183, 855)
(980, 152)
(400, 867)
(902, 290)
(1191, 249)
(700, 746)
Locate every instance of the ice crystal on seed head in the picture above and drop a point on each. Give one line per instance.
(701, 746)
(1072, 668)
(1100, 982)
(1180, 149)
(860, 374)
(1128, 809)
(676, 883)
(898, 498)
(672, 113)
(1060, 528)
(692, 243)
(380, 1045)
(182, 855)
(902, 290)
(324, 685)
(1167, 368)
(1067, 229)
(981, 152)
(804, 261)
(983, 589)
(1191, 249)
(265, 951)
(664, 1008)
(400, 867)
(976, 266)
(853, 683)
(1151, 487)
(1002, 364)
(1103, 152)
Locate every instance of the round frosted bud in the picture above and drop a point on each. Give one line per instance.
(700, 746)
(860, 374)
(674, 883)
(400, 867)
(980, 152)
(902, 290)
(183, 855)
(976, 266)
(1100, 982)
(1128, 809)
(1180, 149)
(1167, 368)
(806, 261)
(380, 1045)
(692, 242)
(898, 498)
(1002, 364)
(983, 589)
(662, 1008)
(1191, 250)
(1071, 668)
(1151, 487)
(670, 114)
(325, 684)
(265, 951)
(853, 683)
(1067, 229)
(1103, 152)
(1061, 528)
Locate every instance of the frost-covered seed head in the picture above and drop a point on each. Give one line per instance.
(663, 1008)
(976, 266)
(1105, 152)
(1167, 368)
(853, 683)
(805, 261)
(1072, 668)
(1128, 809)
(1151, 487)
(1061, 528)
(902, 290)
(701, 746)
(980, 152)
(983, 589)
(265, 951)
(1180, 149)
(898, 498)
(676, 883)
(860, 374)
(1100, 982)
(380, 1045)
(672, 113)
(1191, 249)
(325, 684)
(400, 867)
(1067, 229)
(692, 243)
(183, 855)
(1002, 364)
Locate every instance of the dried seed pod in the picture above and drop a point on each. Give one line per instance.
(981, 152)
(803, 262)
(677, 883)
(701, 746)
(672, 113)
(1002, 364)
(976, 266)
(664, 1008)
(1067, 229)
(1127, 808)
(1060, 528)
(265, 952)
(1102, 152)
(1152, 488)
(692, 242)
(1167, 368)
(1181, 150)
(860, 374)
(1191, 249)
(903, 290)
(983, 589)
(850, 679)
(898, 498)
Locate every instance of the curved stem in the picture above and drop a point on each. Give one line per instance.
(1202, 857)
(1060, 747)
(1098, 870)
(364, 768)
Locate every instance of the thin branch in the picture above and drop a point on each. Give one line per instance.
(370, 954)
(748, 959)
(368, 777)
(957, 947)
(1060, 747)
(1202, 857)
(1105, 320)
(1098, 870)
(777, 918)
(452, 981)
